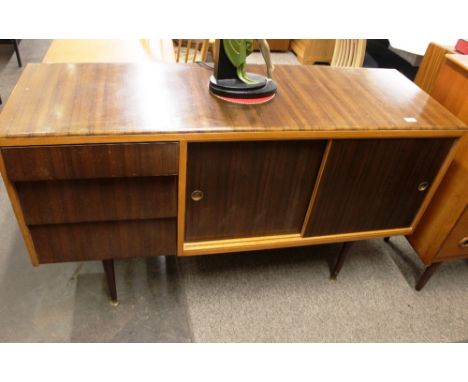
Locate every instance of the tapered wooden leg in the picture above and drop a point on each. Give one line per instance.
(427, 275)
(341, 259)
(110, 276)
(387, 239)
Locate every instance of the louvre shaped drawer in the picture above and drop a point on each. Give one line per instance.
(92, 200)
(105, 240)
(91, 161)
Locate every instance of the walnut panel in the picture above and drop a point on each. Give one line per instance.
(91, 161)
(373, 184)
(249, 188)
(74, 201)
(100, 241)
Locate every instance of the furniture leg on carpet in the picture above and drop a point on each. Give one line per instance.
(341, 259)
(429, 271)
(110, 276)
(18, 57)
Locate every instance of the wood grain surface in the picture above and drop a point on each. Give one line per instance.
(373, 184)
(83, 100)
(431, 64)
(108, 240)
(250, 188)
(105, 51)
(456, 243)
(440, 229)
(91, 161)
(78, 200)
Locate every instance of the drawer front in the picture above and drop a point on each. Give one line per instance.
(375, 184)
(76, 201)
(100, 241)
(456, 243)
(91, 161)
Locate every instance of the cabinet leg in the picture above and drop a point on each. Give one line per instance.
(110, 276)
(387, 239)
(427, 274)
(341, 259)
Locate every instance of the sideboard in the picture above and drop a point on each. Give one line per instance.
(115, 161)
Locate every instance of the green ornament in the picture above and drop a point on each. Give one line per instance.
(237, 51)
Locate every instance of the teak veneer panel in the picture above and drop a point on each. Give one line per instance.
(250, 188)
(59, 101)
(373, 184)
(452, 248)
(431, 64)
(109, 240)
(74, 201)
(91, 161)
(442, 217)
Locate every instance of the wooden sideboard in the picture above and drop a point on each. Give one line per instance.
(114, 161)
(443, 231)
(311, 51)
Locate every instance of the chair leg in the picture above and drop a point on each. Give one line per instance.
(387, 239)
(18, 57)
(341, 259)
(110, 276)
(427, 274)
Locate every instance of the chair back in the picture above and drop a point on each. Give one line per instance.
(349, 53)
(191, 50)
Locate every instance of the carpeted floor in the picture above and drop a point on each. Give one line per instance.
(274, 296)
(287, 296)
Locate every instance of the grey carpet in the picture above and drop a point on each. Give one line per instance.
(283, 295)
(287, 296)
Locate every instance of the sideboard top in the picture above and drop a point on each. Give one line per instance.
(76, 100)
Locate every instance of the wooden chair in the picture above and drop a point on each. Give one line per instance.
(349, 53)
(431, 65)
(192, 50)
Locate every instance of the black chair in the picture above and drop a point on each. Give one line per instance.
(383, 57)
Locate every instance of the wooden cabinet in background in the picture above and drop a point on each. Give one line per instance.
(311, 51)
(431, 65)
(276, 45)
(442, 233)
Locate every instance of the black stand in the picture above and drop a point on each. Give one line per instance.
(225, 83)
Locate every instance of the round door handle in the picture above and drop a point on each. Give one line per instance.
(197, 195)
(423, 186)
(463, 243)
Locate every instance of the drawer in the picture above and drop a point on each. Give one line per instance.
(87, 200)
(91, 161)
(100, 241)
(456, 243)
